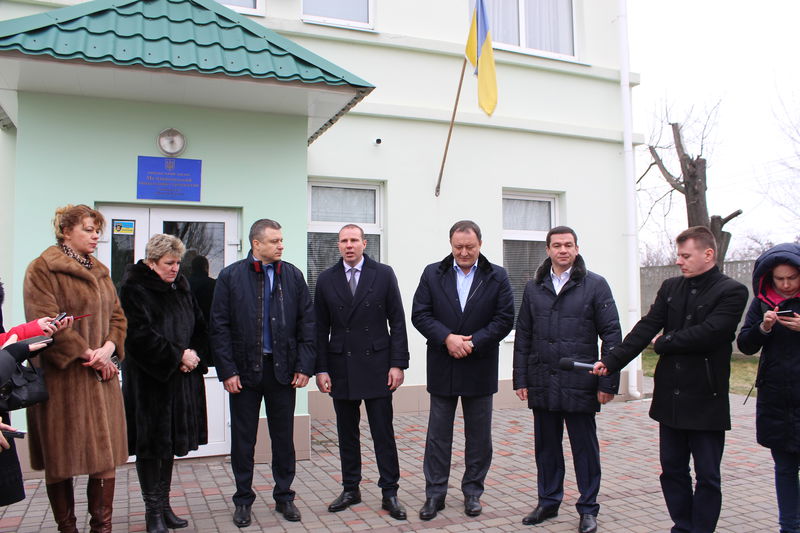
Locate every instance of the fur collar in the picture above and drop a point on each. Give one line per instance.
(142, 274)
(57, 261)
(577, 274)
(447, 263)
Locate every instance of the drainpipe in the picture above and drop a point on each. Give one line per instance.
(633, 369)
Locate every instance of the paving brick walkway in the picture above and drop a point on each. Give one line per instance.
(630, 495)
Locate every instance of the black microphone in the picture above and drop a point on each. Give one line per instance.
(569, 364)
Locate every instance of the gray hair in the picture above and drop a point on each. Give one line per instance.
(162, 244)
(258, 227)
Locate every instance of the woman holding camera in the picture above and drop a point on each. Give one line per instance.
(162, 377)
(772, 325)
(81, 428)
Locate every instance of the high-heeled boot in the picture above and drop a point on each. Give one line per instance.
(100, 493)
(149, 471)
(62, 501)
(171, 520)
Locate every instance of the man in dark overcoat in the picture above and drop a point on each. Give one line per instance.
(362, 350)
(464, 307)
(564, 310)
(693, 320)
(262, 339)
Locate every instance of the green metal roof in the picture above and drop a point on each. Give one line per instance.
(181, 35)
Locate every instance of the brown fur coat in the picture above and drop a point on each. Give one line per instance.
(81, 428)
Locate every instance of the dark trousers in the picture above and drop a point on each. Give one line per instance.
(787, 489)
(692, 511)
(379, 414)
(548, 431)
(439, 444)
(245, 407)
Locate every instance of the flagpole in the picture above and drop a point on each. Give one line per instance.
(450, 130)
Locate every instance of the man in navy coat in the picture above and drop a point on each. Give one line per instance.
(565, 309)
(464, 307)
(362, 351)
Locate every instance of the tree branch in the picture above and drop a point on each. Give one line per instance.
(672, 180)
(651, 165)
(731, 217)
(653, 206)
(676, 136)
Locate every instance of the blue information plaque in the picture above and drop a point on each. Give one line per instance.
(168, 178)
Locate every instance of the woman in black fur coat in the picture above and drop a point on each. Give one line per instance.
(162, 374)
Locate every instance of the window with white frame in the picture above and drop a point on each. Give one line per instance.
(526, 221)
(350, 13)
(248, 7)
(545, 25)
(331, 206)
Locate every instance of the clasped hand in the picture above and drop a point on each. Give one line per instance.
(189, 361)
(100, 360)
(459, 346)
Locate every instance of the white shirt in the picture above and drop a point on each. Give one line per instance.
(464, 282)
(348, 270)
(560, 281)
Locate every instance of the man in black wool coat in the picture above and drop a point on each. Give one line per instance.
(693, 320)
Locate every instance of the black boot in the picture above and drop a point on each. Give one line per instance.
(170, 518)
(149, 471)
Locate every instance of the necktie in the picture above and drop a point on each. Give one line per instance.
(353, 280)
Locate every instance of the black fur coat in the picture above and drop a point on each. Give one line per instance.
(164, 407)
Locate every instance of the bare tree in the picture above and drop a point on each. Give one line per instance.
(691, 183)
(754, 245)
(782, 187)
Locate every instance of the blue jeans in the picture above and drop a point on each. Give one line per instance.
(787, 488)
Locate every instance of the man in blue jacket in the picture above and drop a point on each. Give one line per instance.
(262, 339)
(565, 308)
(362, 350)
(464, 307)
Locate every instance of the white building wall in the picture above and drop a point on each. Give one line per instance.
(557, 130)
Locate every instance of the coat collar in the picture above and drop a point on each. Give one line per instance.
(447, 276)
(57, 261)
(447, 264)
(257, 266)
(577, 274)
(141, 274)
(365, 280)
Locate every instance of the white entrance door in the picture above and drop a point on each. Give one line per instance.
(214, 233)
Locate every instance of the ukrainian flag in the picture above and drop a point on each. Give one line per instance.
(479, 53)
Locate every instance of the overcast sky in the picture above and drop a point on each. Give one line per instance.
(695, 53)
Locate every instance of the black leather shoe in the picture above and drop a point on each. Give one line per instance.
(289, 510)
(540, 514)
(588, 524)
(345, 500)
(472, 506)
(396, 510)
(241, 516)
(430, 508)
